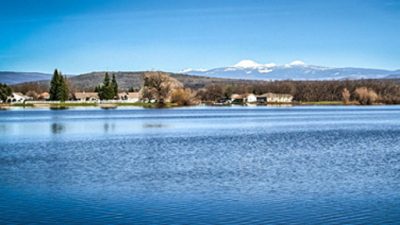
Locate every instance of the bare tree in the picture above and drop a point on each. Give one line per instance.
(366, 96)
(346, 96)
(213, 92)
(32, 94)
(158, 86)
(184, 96)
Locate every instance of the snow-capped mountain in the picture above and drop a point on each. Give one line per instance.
(296, 70)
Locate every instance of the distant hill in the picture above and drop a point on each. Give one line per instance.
(244, 70)
(394, 76)
(297, 70)
(126, 80)
(9, 77)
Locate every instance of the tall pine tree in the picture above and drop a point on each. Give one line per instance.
(5, 91)
(107, 89)
(54, 84)
(64, 90)
(106, 81)
(59, 90)
(115, 85)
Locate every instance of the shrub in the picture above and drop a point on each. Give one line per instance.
(345, 96)
(365, 96)
(184, 97)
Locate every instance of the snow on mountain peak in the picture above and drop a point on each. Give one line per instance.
(188, 70)
(250, 64)
(296, 70)
(247, 64)
(270, 65)
(297, 63)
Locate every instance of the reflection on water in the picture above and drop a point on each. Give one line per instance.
(154, 125)
(4, 128)
(59, 107)
(57, 128)
(108, 127)
(235, 165)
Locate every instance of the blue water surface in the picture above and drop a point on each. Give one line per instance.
(201, 165)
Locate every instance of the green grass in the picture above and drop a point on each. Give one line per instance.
(22, 104)
(148, 105)
(87, 104)
(323, 103)
(140, 104)
(77, 104)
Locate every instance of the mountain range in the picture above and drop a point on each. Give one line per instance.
(296, 70)
(244, 70)
(9, 77)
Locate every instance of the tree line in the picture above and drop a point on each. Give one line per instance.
(59, 88)
(159, 86)
(387, 91)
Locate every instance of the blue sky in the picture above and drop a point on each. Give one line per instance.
(81, 35)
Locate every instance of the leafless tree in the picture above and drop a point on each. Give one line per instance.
(346, 96)
(158, 86)
(184, 97)
(32, 94)
(365, 96)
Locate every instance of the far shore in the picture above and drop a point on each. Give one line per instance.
(113, 105)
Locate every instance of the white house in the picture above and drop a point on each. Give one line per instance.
(251, 98)
(274, 98)
(18, 97)
(244, 98)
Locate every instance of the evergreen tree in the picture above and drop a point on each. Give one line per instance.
(106, 81)
(109, 92)
(64, 90)
(5, 91)
(54, 86)
(59, 90)
(115, 85)
(106, 90)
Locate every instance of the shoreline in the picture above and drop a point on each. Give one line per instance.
(44, 105)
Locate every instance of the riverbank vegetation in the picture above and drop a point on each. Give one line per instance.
(5, 91)
(158, 88)
(362, 92)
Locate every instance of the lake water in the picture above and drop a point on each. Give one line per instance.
(220, 165)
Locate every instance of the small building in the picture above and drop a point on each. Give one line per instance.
(262, 99)
(274, 98)
(251, 98)
(86, 96)
(44, 96)
(244, 98)
(18, 97)
(129, 96)
(237, 99)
